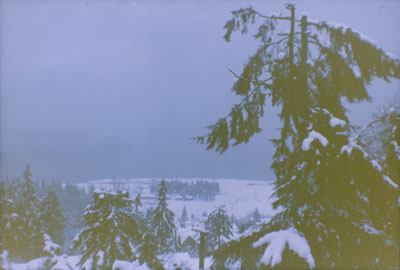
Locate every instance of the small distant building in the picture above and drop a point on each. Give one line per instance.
(184, 198)
(191, 246)
(148, 197)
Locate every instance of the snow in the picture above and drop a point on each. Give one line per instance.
(360, 35)
(313, 135)
(356, 71)
(4, 260)
(396, 148)
(36, 264)
(301, 210)
(348, 148)
(336, 122)
(376, 165)
(125, 265)
(387, 179)
(50, 246)
(64, 262)
(344, 28)
(240, 197)
(184, 261)
(371, 230)
(277, 242)
(281, 56)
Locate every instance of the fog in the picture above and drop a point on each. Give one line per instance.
(102, 89)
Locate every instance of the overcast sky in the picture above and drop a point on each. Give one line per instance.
(102, 89)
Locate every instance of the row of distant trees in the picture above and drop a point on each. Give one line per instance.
(199, 189)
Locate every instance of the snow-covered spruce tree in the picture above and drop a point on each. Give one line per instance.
(377, 135)
(219, 228)
(147, 251)
(110, 231)
(391, 165)
(382, 139)
(10, 231)
(28, 216)
(184, 217)
(256, 215)
(333, 195)
(4, 205)
(163, 226)
(138, 202)
(52, 218)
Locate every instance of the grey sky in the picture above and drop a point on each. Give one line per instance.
(98, 89)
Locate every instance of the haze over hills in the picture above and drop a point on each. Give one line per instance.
(118, 88)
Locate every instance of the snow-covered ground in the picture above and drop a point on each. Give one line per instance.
(171, 262)
(241, 197)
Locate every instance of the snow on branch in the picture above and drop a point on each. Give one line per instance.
(313, 135)
(50, 247)
(390, 181)
(348, 148)
(334, 121)
(396, 148)
(277, 242)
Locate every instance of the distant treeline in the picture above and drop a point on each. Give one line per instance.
(199, 189)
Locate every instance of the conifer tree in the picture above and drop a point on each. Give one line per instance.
(3, 207)
(28, 215)
(146, 250)
(256, 215)
(138, 202)
(219, 228)
(333, 195)
(110, 231)
(52, 218)
(10, 222)
(184, 217)
(391, 165)
(381, 140)
(163, 226)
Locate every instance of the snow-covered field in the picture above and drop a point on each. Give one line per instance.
(241, 197)
(171, 262)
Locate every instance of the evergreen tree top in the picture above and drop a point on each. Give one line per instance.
(330, 59)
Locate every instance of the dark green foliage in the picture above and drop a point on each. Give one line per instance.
(72, 209)
(28, 221)
(162, 225)
(330, 189)
(184, 217)
(110, 231)
(383, 132)
(21, 231)
(146, 249)
(219, 228)
(138, 202)
(52, 218)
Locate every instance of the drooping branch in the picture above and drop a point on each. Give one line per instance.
(257, 83)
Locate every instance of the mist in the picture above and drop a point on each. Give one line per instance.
(103, 89)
